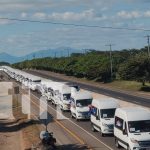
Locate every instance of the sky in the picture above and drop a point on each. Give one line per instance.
(21, 38)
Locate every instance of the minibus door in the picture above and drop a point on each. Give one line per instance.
(125, 135)
(97, 120)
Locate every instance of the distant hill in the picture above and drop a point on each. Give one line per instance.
(4, 57)
(58, 52)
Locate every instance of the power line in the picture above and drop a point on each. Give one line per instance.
(71, 24)
(148, 37)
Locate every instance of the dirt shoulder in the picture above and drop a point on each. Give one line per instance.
(16, 131)
(111, 86)
(10, 137)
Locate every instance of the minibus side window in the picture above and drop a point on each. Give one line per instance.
(119, 123)
(93, 111)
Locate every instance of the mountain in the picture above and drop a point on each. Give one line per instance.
(4, 57)
(58, 52)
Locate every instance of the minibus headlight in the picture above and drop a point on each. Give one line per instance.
(134, 140)
(104, 124)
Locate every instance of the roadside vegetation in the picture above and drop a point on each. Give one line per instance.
(128, 65)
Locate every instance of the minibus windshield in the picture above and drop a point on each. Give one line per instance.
(83, 103)
(66, 96)
(139, 126)
(108, 113)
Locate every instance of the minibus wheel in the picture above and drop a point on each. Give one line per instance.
(116, 143)
(61, 109)
(72, 116)
(92, 127)
(77, 119)
(102, 134)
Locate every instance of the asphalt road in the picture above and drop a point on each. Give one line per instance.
(65, 138)
(81, 130)
(71, 134)
(143, 101)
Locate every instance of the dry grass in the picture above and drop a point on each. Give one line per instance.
(127, 85)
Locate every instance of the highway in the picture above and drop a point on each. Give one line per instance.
(73, 135)
(66, 139)
(136, 99)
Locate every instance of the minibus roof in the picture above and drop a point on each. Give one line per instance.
(105, 103)
(46, 81)
(133, 113)
(81, 95)
(65, 89)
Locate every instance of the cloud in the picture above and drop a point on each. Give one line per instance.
(23, 15)
(25, 5)
(92, 12)
(129, 15)
(147, 13)
(86, 15)
(39, 15)
(36, 5)
(132, 14)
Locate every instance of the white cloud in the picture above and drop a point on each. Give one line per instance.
(129, 15)
(147, 14)
(23, 15)
(40, 15)
(25, 5)
(133, 14)
(86, 15)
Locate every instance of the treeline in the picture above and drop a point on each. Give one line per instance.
(131, 64)
(4, 63)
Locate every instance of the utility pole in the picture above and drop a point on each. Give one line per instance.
(148, 37)
(111, 63)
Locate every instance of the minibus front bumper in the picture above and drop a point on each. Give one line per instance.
(143, 145)
(83, 115)
(66, 106)
(107, 128)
